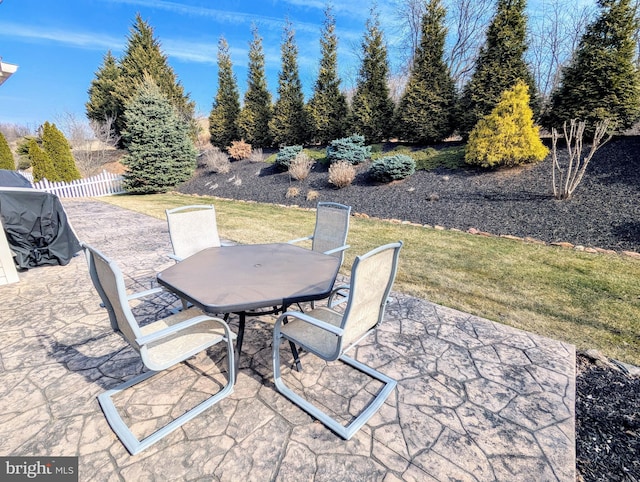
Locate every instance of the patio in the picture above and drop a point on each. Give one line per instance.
(476, 400)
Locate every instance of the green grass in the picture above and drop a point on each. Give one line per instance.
(590, 300)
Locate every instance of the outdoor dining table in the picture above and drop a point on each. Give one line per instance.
(254, 279)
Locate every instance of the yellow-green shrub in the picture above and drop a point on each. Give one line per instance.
(507, 136)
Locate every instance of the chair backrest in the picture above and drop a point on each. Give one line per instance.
(372, 276)
(192, 229)
(332, 227)
(109, 283)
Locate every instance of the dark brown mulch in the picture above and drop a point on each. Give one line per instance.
(607, 422)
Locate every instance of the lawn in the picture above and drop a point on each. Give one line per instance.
(590, 300)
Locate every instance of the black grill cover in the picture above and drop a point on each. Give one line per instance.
(13, 178)
(37, 228)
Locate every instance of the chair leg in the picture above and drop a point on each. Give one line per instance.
(346, 432)
(124, 433)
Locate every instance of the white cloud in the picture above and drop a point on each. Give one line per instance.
(85, 40)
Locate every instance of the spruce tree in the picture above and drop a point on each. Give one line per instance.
(372, 107)
(6, 157)
(427, 109)
(223, 120)
(601, 81)
(42, 167)
(289, 124)
(160, 152)
(255, 115)
(144, 56)
(328, 106)
(58, 149)
(103, 104)
(499, 66)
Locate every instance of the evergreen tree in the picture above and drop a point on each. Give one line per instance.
(103, 104)
(160, 152)
(223, 120)
(601, 81)
(255, 115)
(42, 167)
(59, 151)
(6, 157)
(328, 106)
(499, 66)
(427, 108)
(289, 124)
(144, 56)
(507, 136)
(372, 107)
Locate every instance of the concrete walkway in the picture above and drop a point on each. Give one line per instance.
(476, 400)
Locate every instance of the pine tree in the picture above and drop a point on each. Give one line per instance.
(289, 124)
(507, 136)
(328, 106)
(160, 152)
(601, 81)
(144, 56)
(499, 66)
(256, 112)
(223, 120)
(42, 167)
(372, 107)
(427, 108)
(58, 149)
(6, 157)
(103, 104)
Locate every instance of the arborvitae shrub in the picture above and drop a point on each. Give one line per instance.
(43, 167)
(6, 158)
(286, 155)
(507, 136)
(350, 149)
(59, 151)
(392, 168)
(239, 150)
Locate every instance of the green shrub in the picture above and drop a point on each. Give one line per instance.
(43, 167)
(6, 157)
(507, 136)
(59, 151)
(285, 155)
(392, 168)
(350, 149)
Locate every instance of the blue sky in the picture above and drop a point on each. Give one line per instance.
(59, 45)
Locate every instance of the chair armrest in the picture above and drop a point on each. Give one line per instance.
(338, 290)
(298, 240)
(308, 319)
(140, 294)
(335, 250)
(228, 243)
(177, 259)
(159, 335)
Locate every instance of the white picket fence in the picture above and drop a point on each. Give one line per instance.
(104, 184)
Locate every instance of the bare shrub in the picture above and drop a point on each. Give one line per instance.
(256, 155)
(239, 150)
(569, 175)
(293, 191)
(215, 160)
(313, 195)
(300, 167)
(341, 174)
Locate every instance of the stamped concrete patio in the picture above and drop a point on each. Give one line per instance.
(476, 400)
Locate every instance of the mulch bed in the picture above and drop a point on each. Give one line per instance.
(607, 422)
(603, 213)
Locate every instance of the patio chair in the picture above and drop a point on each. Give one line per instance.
(332, 227)
(328, 334)
(192, 229)
(161, 344)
